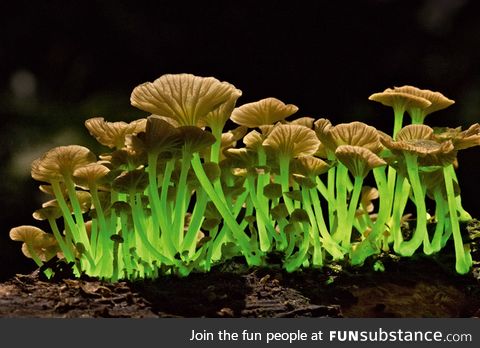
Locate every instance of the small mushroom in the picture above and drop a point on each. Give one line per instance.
(37, 244)
(263, 112)
(61, 162)
(292, 141)
(113, 134)
(359, 160)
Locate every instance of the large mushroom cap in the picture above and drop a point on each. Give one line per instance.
(113, 134)
(61, 162)
(359, 160)
(438, 100)
(400, 100)
(290, 140)
(418, 139)
(91, 175)
(184, 97)
(263, 112)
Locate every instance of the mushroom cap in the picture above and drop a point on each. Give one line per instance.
(112, 134)
(135, 180)
(61, 162)
(359, 160)
(159, 136)
(44, 244)
(438, 100)
(253, 140)
(263, 112)
(184, 97)
(90, 175)
(460, 139)
(309, 166)
(418, 139)
(292, 141)
(304, 121)
(400, 100)
(353, 133)
(196, 139)
(46, 213)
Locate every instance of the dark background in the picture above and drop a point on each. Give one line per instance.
(62, 62)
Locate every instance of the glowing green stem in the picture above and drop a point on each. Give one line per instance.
(341, 203)
(407, 248)
(463, 257)
(284, 181)
(357, 190)
(317, 259)
(241, 237)
(330, 245)
(180, 202)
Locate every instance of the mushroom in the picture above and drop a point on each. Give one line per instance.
(400, 102)
(359, 161)
(186, 98)
(438, 102)
(289, 141)
(37, 244)
(263, 112)
(113, 134)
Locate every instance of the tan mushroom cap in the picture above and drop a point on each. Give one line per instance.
(135, 180)
(263, 112)
(304, 121)
(253, 140)
(461, 139)
(184, 97)
(159, 136)
(91, 175)
(42, 243)
(418, 139)
(353, 133)
(292, 141)
(359, 160)
(400, 100)
(47, 213)
(61, 162)
(438, 100)
(309, 166)
(112, 134)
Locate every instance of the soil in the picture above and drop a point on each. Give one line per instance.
(413, 287)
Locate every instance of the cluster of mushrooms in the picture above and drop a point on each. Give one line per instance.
(177, 193)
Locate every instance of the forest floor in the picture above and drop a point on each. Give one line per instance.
(408, 287)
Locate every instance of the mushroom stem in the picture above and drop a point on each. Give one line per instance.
(330, 245)
(317, 259)
(66, 249)
(261, 216)
(463, 257)
(77, 211)
(189, 242)
(180, 208)
(398, 113)
(440, 218)
(400, 198)
(341, 203)
(407, 248)
(240, 236)
(357, 190)
(165, 219)
(284, 163)
(464, 215)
